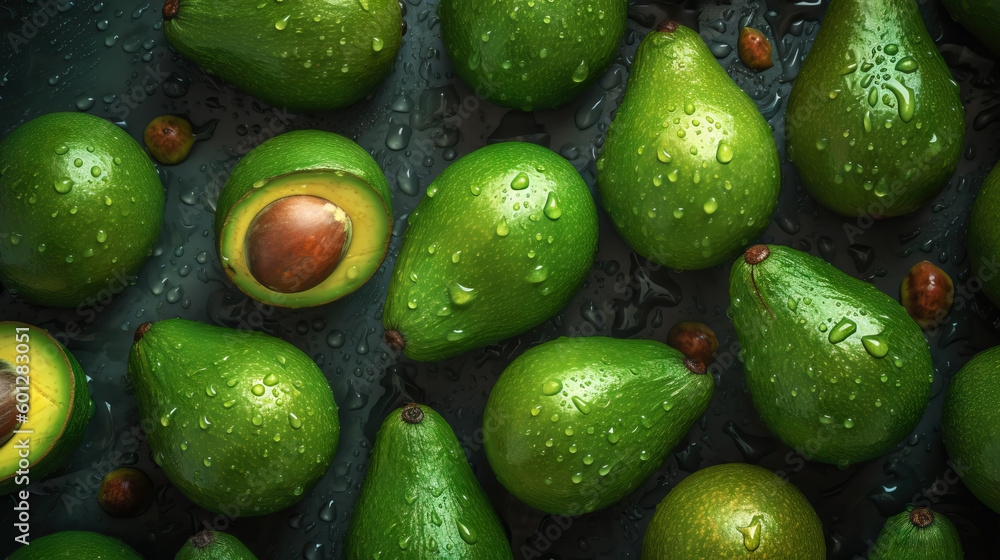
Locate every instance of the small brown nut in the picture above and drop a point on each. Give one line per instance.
(695, 340)
(927, 293)
(296, 242)
(125, 492)
(754, 49)
(168, 139)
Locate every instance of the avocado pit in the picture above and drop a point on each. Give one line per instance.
(125, 492)
(8, 402)
(296, 242)
(168, 138)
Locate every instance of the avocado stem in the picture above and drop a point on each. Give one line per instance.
(922, 517)
(412, 414)
(170, 9)
(395, 340)
(202, 539)
(696, 367)
(141, 331)
(668, 26)
(754, 256)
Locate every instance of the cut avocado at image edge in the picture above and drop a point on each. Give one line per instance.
(312, 55)
(834, 366)
(501, 242)
(690, 173)
(604, 414)
(60, 404)
(242, 423)
(917, 533)
(304, 219)
(77, 545)
(420, 497)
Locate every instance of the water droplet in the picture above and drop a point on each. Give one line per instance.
(537, 274)
(605, 469)
(551, 387)
(467, 534)
(907, 65)
(868, 121)
(875, 345)
(689, 108)
(904, 99)
(581, 405)
(581, 72)
(257, 390)
(461, 295)
(377, 44)
(822, 143)
(612, 436)
(520, 182)
(204, 422)
(207, 462)
(724, 154)
(710, 206)
(456, 335)
(294, 421)
(95, 171)
(62, 149)
(503, 230)
(257, 420)
(552, 210)
(793, 304)
(456, 257)
(662, 155)
(751, 533)
(848, 423)
(281, 23)
(270, 380)
(64, 186)
(842, 330)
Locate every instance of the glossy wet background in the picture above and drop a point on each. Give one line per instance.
(111, 59)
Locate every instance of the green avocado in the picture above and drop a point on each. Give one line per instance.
(78, 545)
(971, 425)
(309, 55)
(690, 171)
(242, 423)
(420, 498)
(58, 409)
(983, 238)
(502, 242)
(214, 545)
(737, 512)
(837, 369)
(81, 207)
(981, 17)
(304, 219)
(875, 125)
(917, 534)
(576, 424)
(530, 54)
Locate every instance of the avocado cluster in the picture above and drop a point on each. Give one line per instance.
(244, 423)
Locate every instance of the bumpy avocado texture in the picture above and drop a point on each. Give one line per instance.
(77, 545)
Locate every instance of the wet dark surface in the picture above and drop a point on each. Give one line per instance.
(112, 60)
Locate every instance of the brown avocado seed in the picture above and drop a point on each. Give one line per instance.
(168, 138)
(125, 492)
(296, 242)
(695, 340)
(927, 293)
(754, 49)
(8, 401)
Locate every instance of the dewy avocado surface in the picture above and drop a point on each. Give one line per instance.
(416, 124)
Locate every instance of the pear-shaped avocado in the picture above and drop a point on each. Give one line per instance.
(42, 382)
(984, 236)
(971, 425)
(214, 545)
(690, 172)
(837, 369)
(604, 413)
(875, 125)
(420, 498)
(76, 545)
(502, 242)
(917, 533)
(528, 54)
(304, 219)
(734, 511)
(81, 208)
(241, 422)
(981, 17)
(310, 55)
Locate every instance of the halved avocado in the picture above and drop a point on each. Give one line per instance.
(304, 219)
(59, 405)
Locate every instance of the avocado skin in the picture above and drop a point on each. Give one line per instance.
(983, 239)
(701, 518)
(509, 69)
(77, 545)
(184, 373)
(75, 426)
(971, 425)
(420, 492)
(900, 539)
(291, 66)
(610, 389)
(123, 206)
(981, 17)
(214, 545)
(828, 100)
(497, 286)
(834, 384)
(693, 211)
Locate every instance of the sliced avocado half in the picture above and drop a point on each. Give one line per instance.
(304, 219)
(59, 405)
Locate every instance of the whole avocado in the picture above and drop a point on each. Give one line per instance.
(917, 533)
(310, 55)
(981, 17)
(81, 208)
(530, 54)
(77, 545)
(983, 237)
(214, 545)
